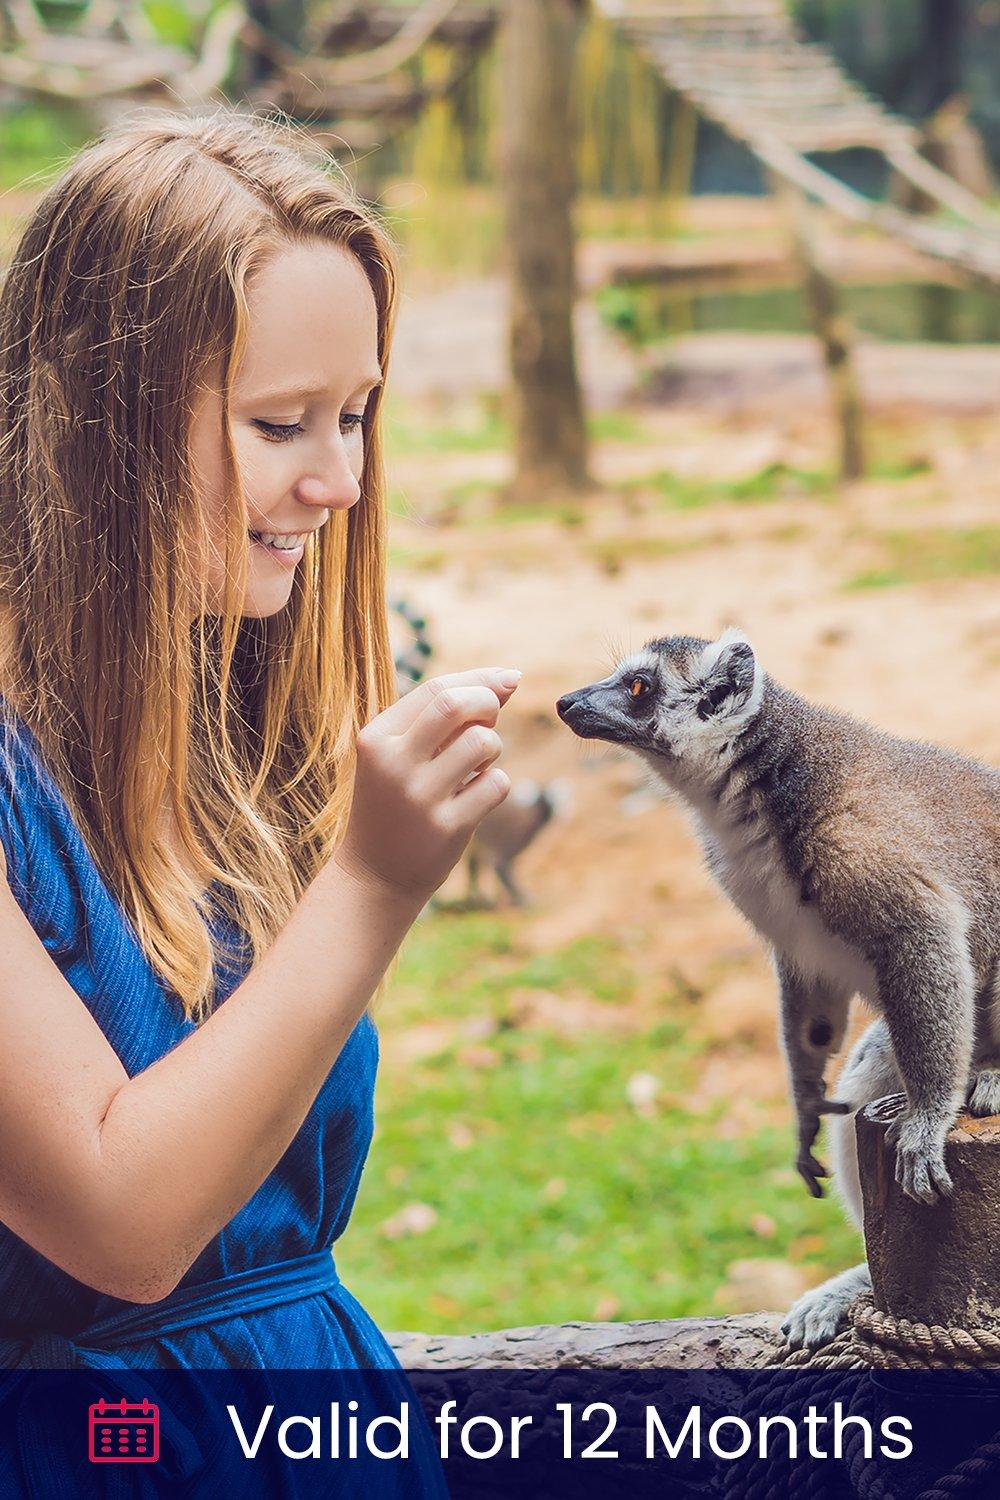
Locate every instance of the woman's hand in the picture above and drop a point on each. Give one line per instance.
(424, 780)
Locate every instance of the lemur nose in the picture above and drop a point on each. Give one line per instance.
(566, 703)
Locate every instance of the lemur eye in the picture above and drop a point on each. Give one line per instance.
(638, 686)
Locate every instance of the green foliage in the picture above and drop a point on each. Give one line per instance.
(551, 1192)
(36, 140)
(178, 22)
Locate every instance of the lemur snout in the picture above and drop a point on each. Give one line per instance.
(574, 710)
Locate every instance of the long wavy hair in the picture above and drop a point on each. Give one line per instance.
(129, 284)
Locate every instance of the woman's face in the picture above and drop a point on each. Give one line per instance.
(296, 411)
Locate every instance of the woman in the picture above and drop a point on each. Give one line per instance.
(205, 797)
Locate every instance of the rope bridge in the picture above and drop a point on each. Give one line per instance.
(742, 64)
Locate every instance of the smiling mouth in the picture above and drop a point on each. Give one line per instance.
(286, 556)
(280, 539)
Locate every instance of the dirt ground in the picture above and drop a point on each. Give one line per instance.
(559, 597)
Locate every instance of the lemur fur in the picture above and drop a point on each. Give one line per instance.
(869, 864)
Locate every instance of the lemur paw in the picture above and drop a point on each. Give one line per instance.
(920, 1168)
(811, 1169)
(984, 1092)
(818, 1315)
(810, 1105)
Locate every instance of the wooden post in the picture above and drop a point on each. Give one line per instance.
(537, 43)
(831, 326)
(680, 157)
(934, 1263)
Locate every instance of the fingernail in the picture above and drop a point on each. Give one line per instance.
(509, 678)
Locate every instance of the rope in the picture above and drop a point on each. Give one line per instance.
(877, 1340)
(797, 1379)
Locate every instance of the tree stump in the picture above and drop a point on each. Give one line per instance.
(934, 1263)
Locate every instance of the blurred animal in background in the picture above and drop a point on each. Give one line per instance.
(507, 831)
(411, 648)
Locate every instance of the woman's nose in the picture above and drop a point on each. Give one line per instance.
(336, 488)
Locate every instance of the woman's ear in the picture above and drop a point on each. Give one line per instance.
(730, 679)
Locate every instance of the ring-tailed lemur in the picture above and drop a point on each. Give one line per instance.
(870, 864)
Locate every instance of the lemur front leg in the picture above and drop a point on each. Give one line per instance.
(813, 1023)
(927, 994)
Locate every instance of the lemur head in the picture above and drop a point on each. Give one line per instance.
(676, 702)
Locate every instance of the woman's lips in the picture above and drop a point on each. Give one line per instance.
(287, 557)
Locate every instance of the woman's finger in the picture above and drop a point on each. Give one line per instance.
(447, 715)
(475, 749)
(400, 716)
(469, 806)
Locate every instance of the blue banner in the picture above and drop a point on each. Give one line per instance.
(559, 1433)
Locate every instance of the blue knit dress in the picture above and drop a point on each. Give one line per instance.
(264, 1293)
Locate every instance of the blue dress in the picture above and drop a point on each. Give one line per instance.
(264, 1293)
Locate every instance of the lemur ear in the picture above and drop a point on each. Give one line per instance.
(730, 681)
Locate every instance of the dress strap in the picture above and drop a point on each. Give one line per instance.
(186, 1307)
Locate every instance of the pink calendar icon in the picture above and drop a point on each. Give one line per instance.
(124, 1432)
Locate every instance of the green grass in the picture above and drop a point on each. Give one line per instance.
(612, 554)
(480, 426)
(777, 481)
(930, 555)
(551, 1193)
(617, 427)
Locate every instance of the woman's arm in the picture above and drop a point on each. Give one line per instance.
(123, 1181)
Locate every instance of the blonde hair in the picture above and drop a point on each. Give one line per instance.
(129, 283)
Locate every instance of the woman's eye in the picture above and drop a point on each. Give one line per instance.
(351, 421)
(279, 432)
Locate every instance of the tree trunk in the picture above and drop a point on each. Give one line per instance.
(537, 42)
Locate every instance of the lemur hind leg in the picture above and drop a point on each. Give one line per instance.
(505, 875)
(869, 1073)
(983, 1097)
(984, 1089)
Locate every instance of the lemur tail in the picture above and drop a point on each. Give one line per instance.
(414, 652)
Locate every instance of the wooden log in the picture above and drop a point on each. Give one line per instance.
(934, 1263)
(734, 1343)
